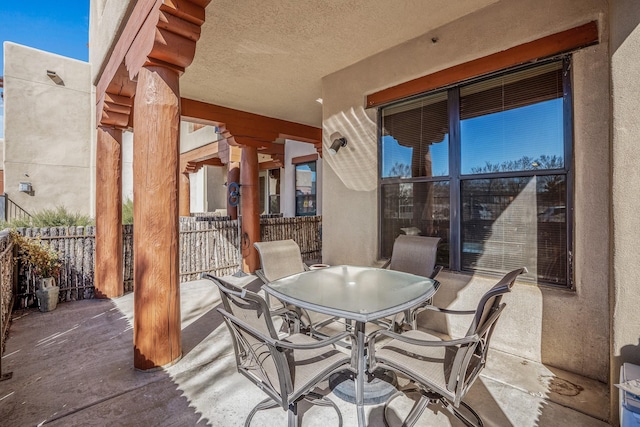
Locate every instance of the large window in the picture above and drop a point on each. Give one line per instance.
(485, 166)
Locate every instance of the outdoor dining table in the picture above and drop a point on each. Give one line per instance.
(359, 294)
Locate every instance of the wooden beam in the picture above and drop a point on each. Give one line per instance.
(554, 44)
(249, 125)
(161, 32)
(156, 326)
(304, 159)
(186, 10)
(139, 14)
(271, 164)
(109, 281)
(184, 194)
(250, 202)
(201, 153)
(193, 167)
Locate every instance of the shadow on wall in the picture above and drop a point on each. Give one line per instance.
(356, 164)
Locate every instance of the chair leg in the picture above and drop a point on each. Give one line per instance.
(292, 415)
(458, 414)
(267, 403)
(320, 400)
(415, 413)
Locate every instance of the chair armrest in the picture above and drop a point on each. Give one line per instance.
(261, 276)
(318, 344)
(279, 344)
(445, 310)
(425, 343)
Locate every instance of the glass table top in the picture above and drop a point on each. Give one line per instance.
(357, 293)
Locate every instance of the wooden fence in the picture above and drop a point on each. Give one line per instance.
(75, 246)
(6, 287)
(206, 245)
(211, 245)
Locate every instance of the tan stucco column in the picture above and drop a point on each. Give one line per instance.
(108, 264)
(250, 208)
(156, 328)
(185, 195)
(625, 155)
(233, 175)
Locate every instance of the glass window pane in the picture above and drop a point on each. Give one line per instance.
(509, 223)
(306, 189)
(513, 122)
(274, 191)
(415, 138)
(420, 208)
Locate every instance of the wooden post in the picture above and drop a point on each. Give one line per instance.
(108, 264)
(156, 329)
(185, 194)
(250, 208)
(233, 175)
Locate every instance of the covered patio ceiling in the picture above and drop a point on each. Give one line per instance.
(269, 57)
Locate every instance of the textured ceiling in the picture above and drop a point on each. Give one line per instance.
(269, 56)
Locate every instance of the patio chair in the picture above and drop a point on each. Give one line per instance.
(288, 369)
(415, 255)
(282, 258)
(443, 370)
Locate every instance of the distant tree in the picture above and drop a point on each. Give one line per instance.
(524, 163)
(402, 170)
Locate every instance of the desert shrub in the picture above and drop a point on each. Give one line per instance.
(127, 211)
(56, 217)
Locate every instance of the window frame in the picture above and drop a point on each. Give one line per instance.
(456, 178)
(295, 187)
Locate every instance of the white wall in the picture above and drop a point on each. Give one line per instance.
(567, 329)
(127, 166)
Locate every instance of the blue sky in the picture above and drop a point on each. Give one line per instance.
(530, 131)
(57, 27)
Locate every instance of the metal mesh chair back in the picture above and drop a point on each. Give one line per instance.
(414, 254)
(470, 359)
(279, 258)
(255, 357)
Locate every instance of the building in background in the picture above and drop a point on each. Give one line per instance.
(49, 142)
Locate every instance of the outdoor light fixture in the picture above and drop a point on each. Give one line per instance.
(25, 187)
(55, 77)
(336, 144)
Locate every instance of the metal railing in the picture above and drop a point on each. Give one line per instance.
(10, 210)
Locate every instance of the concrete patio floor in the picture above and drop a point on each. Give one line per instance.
(74, 366)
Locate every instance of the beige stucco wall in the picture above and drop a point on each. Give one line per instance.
(625, 158)
(106, 18)
(49, 130)
(566, 329)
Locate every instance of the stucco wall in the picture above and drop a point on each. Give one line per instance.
(625, 158)
(216, 191)
(566, 329)
(105, 19)
(49, 130)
